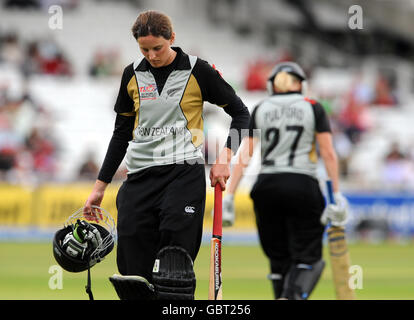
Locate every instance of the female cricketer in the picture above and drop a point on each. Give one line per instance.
(288, 202)
(159, 127)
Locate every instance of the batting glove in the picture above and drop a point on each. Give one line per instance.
(95, 237)
(228, 210)
(336, 214)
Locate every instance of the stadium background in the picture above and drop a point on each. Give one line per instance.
(58, 84)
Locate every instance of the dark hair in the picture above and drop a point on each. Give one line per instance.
(152, 23)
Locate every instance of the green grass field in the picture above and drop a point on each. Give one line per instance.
(388, 273)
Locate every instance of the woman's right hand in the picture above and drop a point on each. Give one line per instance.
(94, 199)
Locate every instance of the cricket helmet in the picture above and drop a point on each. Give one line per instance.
(80, 244)
(289, 67)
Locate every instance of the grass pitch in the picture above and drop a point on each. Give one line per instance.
(24, 274)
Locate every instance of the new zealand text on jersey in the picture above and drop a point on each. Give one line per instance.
(160, 131)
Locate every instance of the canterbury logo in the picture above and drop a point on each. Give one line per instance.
(189, 209)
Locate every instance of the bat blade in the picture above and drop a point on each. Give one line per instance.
(340, 263)
(215, 291)
(215, 285)
(339, 256)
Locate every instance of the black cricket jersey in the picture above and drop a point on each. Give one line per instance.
(160, 109)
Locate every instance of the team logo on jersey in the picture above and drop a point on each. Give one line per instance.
(148, 92)
(189, 209)
(173, 91)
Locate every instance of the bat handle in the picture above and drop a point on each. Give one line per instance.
(218, 209)
(329, 187)
(331, 198)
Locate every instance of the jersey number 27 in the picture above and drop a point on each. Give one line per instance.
(272, 137)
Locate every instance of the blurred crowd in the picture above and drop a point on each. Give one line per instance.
(106, 63)
(36, 57)
(39, 4)
(45, 57)
(351, 119)
(29, 150)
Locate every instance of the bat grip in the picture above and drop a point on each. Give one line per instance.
(218, 208)
(329, 187)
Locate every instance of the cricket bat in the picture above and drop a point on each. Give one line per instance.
(339, 256)
(215, 291)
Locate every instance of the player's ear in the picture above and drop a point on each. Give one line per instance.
(172, 39)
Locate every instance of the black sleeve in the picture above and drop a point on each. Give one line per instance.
(124, 103)
(216, 90)
(117, 147)
(321, 118)
(252, 123)
(240, 117)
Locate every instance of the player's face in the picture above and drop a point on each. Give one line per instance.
(157, 50)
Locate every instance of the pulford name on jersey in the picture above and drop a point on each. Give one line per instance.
(288, 112)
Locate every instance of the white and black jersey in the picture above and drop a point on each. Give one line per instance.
(160, 113)
(158, 129)
(288, 202)
(288, 123)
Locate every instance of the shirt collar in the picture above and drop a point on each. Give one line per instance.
(183, 62)
(286, 93)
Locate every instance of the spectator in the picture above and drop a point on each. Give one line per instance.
(53, 61)
(33, 60)
(10, 141)
(11, 51)
(343, 147)
(44, 57)
(354, 116)
(398, 169)
(394, 153)
(258, 71)
(6, 162)
(105, 63)
(43, 152)
(257, 76)
(88, 169)
(57, 65)
(383, 94)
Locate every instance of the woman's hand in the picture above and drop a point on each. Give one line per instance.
(220, 171)
(94, 199)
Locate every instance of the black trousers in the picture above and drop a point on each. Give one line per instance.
(288, 208)
(158, 207)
